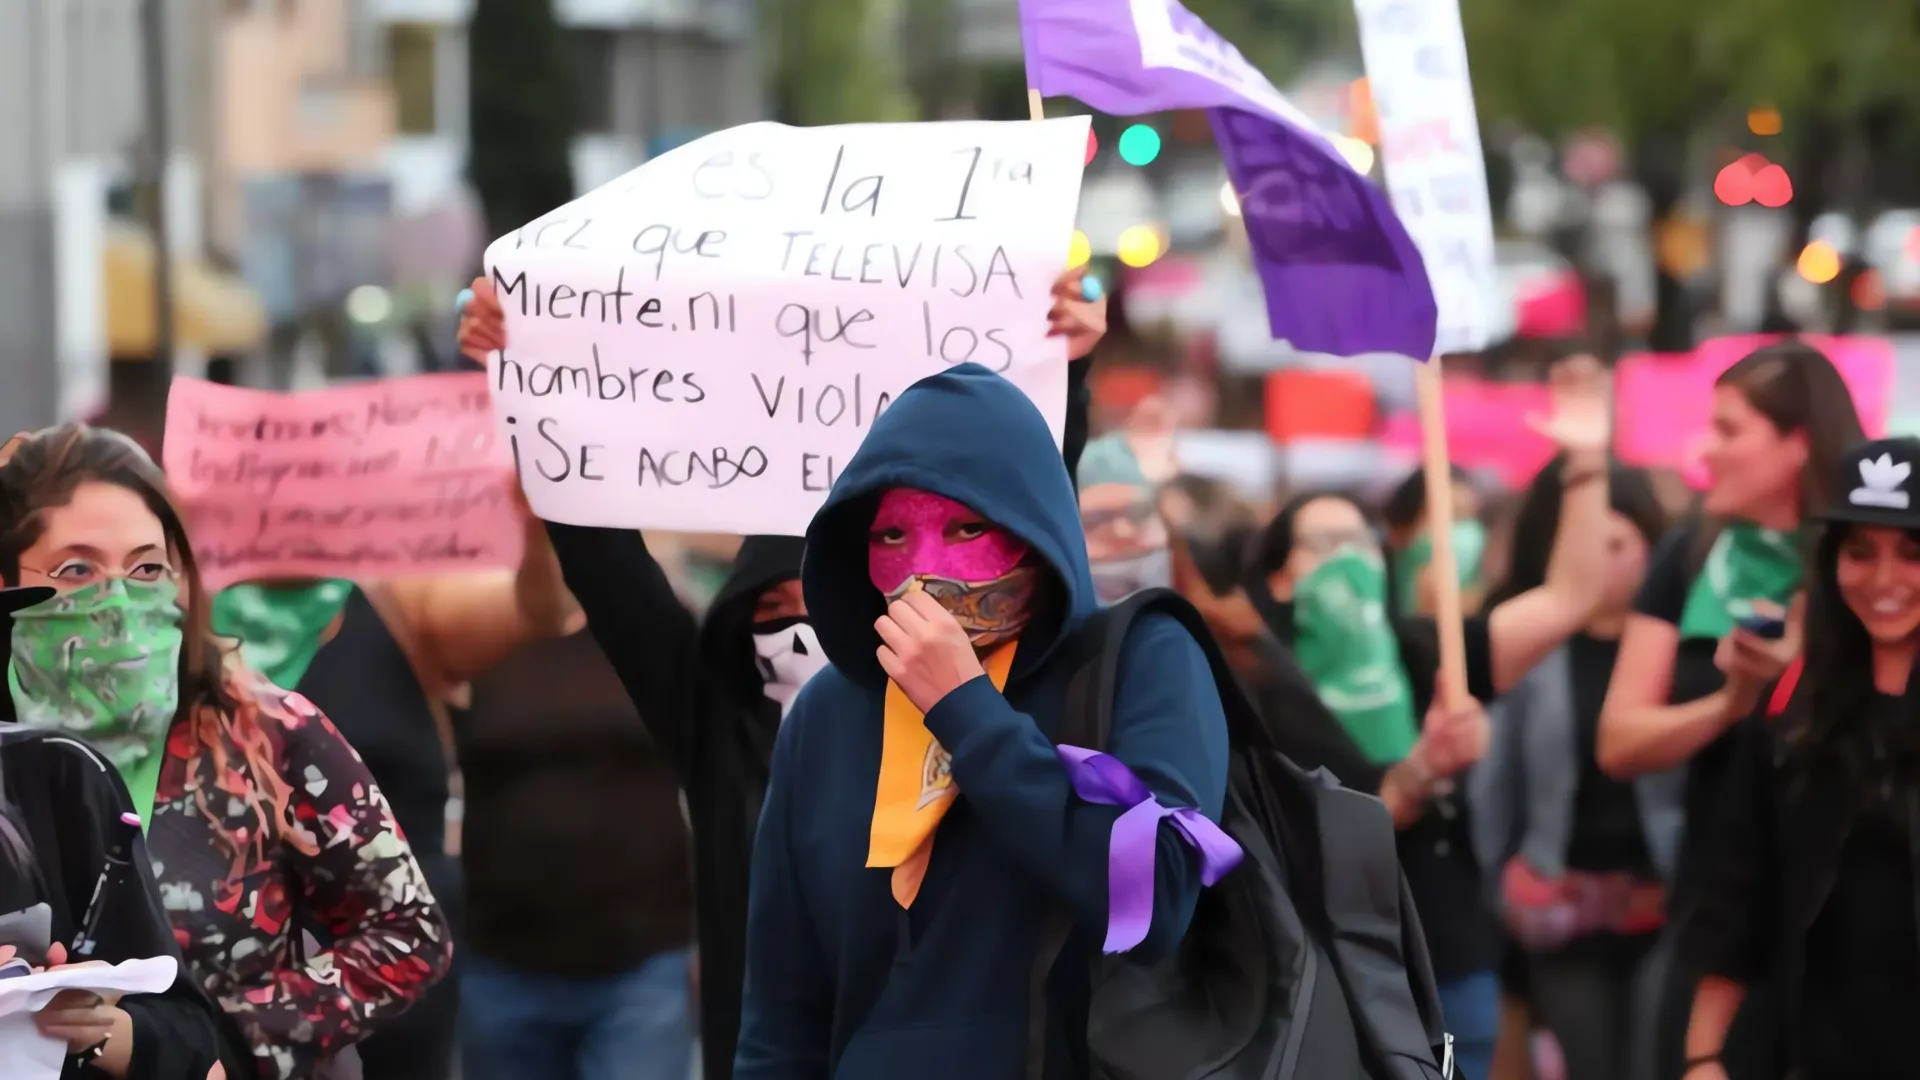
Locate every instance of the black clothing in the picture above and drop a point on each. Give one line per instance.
(1436, 851)
(1663, 595)
(1808, 881)
(68, 801)
(1607, 836)
(364, 682)
(575, 852)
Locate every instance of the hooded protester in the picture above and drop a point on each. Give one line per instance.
(1119, 509)
(713, 694)
(921, 824)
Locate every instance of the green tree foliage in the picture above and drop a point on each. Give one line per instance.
(834, 61)
(524, 111)
(1653, 66)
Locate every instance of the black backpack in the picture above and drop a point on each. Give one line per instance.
(1294, 966)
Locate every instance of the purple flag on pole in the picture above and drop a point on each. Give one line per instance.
(1341, 275)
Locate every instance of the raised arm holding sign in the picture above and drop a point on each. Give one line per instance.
(700, 343)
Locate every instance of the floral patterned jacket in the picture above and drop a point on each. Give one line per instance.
(267, 824)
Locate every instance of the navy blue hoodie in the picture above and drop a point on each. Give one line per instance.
(834, 985)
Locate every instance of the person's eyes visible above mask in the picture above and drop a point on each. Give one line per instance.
(1326, 543)
(76, 572)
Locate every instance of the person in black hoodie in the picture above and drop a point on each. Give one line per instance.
(713, 694)
(63, 809)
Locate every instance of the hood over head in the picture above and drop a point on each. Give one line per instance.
(975, 438)
(726, 639)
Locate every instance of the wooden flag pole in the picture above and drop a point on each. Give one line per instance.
(1035, 110)
(1447, 611)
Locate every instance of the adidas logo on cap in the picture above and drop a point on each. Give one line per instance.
(1882, 483)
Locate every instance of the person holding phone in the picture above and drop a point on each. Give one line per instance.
(1809, 868)
(1688, 669)
(76, 880)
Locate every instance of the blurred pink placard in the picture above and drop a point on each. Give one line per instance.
(379, 480)
(1487, 429)
(1663, 402)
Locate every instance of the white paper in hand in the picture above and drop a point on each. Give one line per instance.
(25, 1054)
(703, 343)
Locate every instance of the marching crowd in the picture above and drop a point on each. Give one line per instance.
(860, 820)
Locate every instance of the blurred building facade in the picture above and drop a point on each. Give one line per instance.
(72, 125)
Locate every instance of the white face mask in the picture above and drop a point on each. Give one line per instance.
(789, 655)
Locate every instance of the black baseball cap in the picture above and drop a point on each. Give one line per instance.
(1876, 485)
(12, 600)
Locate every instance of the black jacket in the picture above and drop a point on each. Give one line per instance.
(701, 696)
(1770, 862)
(69, 800)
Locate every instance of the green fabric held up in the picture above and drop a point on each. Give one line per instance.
(1345, 643)
(1469, 552)
(279, 626)
(103, 663)
(1745, 564)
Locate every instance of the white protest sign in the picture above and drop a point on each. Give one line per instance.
(1416, 61)
(703, 343)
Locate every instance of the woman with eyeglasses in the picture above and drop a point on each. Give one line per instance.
(263, 822)
(69, 841)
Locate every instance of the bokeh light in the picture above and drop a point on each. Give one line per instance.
(1753, 179)
(369, 305)
(1356, 151)
(1772, 188)
(1819, 262)
(1093, 146)
(1079, 250)
(1139, 145)
(1764, 120)
(1869, 292)
(1229, 200)
(1139, 246)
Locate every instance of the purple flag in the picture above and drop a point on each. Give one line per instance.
(1341, 274)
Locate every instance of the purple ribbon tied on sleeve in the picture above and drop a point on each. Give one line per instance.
(1106, 781)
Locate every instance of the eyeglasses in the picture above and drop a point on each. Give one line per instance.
(76, 572)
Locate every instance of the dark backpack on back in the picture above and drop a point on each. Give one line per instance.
(1295, 966)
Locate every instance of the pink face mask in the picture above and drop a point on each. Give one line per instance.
(976, 570)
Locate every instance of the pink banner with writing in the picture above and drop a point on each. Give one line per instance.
(1663, 402)
(379, 480)
(1487, 429)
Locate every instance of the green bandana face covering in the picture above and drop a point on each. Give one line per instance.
(1745, 564)
(1469, 550)
(279, 627)
(103, 663)
(1345, 644)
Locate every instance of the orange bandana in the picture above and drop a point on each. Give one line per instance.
(916, 786)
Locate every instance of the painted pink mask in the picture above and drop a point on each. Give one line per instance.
(978, 571)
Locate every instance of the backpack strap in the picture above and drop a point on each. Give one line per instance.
(1095, 650)
(1783, 690)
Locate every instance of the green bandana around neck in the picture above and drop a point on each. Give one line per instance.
(103, 663)
(1745, 564)
(1346, 645)
(279, 626)
(1469, 550)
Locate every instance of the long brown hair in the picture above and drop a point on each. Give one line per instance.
(1796, 388)
(42, 475)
